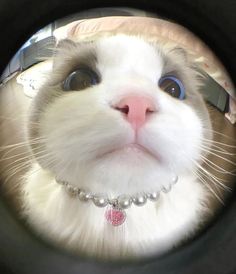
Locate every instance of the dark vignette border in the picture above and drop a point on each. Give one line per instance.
(212, 253)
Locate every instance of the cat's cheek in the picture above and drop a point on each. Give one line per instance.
(176, 138)
(74, 141)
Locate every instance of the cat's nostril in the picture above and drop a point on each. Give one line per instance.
(150, 110)
(124, 109)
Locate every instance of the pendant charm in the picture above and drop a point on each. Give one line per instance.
(115, 216)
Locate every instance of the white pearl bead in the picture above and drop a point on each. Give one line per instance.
(174, 180)
(71, 190)
(63, 183)
(154, 196)
(166, 189)
(140, 200)
(100, 201)
(124, 201)
(83, 196)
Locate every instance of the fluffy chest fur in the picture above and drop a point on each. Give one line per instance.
(82, 132)
(82, 227)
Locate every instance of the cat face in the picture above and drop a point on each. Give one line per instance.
(119, 115)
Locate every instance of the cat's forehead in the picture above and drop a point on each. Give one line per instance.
(123, 48)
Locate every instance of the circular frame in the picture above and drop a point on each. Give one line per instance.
(213, 252)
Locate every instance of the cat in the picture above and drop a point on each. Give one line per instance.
(119, 128)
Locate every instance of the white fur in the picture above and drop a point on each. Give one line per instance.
(81, 129)
(82, 227)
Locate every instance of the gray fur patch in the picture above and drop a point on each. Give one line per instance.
(176, 63)
(69, 56)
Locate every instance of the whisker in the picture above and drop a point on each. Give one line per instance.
(211, 151)
(217, 144)
(49, 163)
(214, 166)
(15, 186)
(27, 152)
(17, 168)
(209, 187)
(219, 133)
(208, 173)
(214, 180)
(29, 156)
(24, 143)
(218, 156)
(219, 150)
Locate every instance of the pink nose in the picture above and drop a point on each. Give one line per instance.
(136, 110)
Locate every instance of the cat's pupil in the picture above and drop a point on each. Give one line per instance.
(80, 79)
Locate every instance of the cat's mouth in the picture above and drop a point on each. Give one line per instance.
(132, 149)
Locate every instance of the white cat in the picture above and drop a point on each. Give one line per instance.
(120, 121)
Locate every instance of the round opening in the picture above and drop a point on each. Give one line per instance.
(117, 135)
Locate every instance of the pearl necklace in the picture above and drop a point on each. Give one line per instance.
(115, 214)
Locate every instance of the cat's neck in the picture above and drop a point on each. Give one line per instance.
(57, 215)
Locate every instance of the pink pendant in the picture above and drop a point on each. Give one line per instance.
(115, 216)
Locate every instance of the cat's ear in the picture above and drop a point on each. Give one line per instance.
(175, 59)
(65, 44)
(180, 54)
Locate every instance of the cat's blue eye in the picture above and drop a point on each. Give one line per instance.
(80, 79)
(173, 86)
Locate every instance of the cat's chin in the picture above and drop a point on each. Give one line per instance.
(129, 151)
(129, 170)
